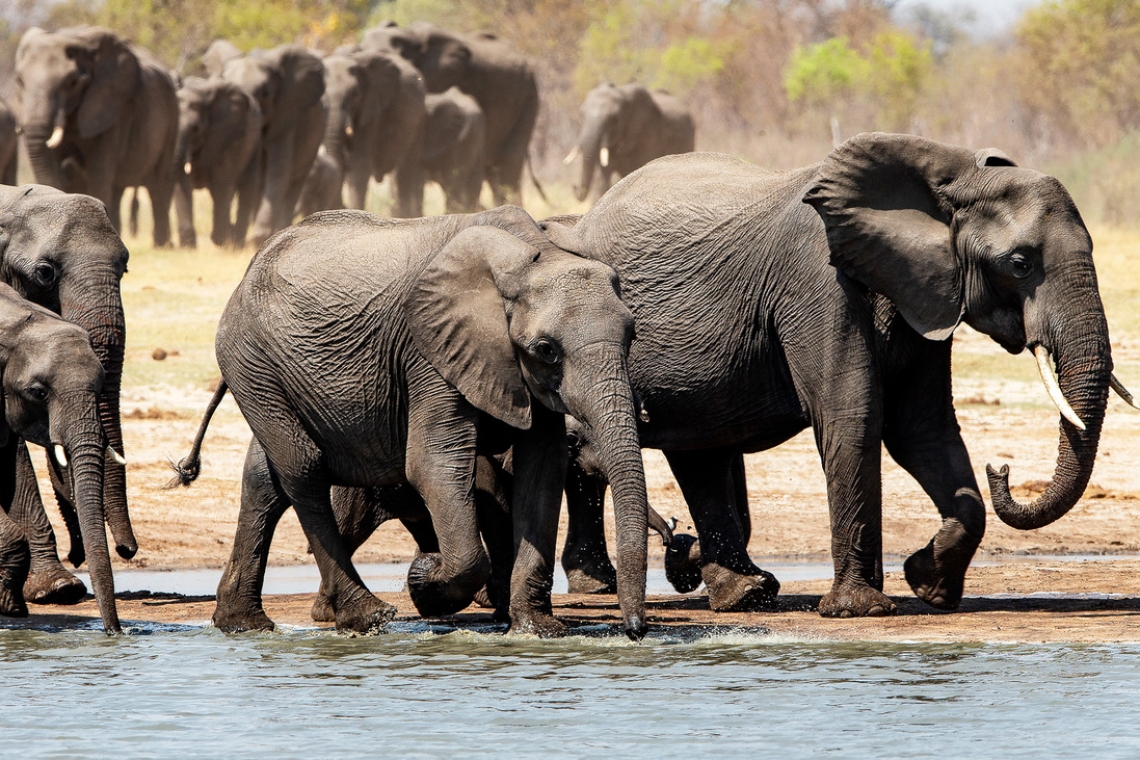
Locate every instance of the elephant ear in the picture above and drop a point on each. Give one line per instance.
(888, 219)
(302, 85)
(992, 157)
(456, 314)
(381, 85)
(445, 60)
(114, 78)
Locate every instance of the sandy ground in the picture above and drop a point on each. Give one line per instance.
(1020, 589)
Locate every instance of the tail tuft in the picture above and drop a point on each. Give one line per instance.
(187, 472)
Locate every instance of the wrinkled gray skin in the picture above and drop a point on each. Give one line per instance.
(288, 83)
(825, 297)
(9, 141)
(117, 110)
(375, 125)
(488, 69)
(538, 333)
(634, 125)
(219, 141)
(60, 251)
(454, 135)
(51, 382)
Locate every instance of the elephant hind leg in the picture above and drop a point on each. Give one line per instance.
(584, 555)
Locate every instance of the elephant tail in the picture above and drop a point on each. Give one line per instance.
(534, 179)
(191, 465)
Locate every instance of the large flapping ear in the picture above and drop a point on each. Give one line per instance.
(889, 223)
(114, 78)
(458, 319)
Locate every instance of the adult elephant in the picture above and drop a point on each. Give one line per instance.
(219, 141)
(51, 383)
(98, 115)
(454, 135)
(837, 315)
(447, 379)
(623, 129)
(216, 57)
(288, 83)
(488, 69)
(60, 251)
(9, 142)
(375, 124)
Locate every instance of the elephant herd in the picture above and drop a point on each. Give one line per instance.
(281, 132)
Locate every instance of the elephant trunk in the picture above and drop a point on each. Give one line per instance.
(1084, 369)
(608, 417)
(103, 320)
(335, 135)
(44, 160)
(589, 150)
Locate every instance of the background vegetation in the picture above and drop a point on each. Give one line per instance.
(774, 81)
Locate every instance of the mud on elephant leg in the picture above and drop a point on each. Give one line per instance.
(707, 481)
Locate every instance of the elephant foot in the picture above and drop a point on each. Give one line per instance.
(850, 601)
(435, 596)
(937, 572)
(730, 591)
(589, 572)
(239, 622)
(537, 623)
(368, 615)
(12, 602)
(483, 598)
(683, 563)
(322, 611)
(54, 586)
(14, 561)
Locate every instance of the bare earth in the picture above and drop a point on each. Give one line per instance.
(1019, 589)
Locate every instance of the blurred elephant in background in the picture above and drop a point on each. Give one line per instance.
(322, 190)
(9, 144)
(454, 136)
(488, 69)
(60, 251)
(288, 83)
(218, 148)
(216, 57)
(98, 115)
(51, 385)
(375, 124)
(623, 129)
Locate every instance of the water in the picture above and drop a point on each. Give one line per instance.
(422, 691)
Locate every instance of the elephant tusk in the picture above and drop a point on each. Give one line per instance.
(348, 130)
(60, 455)
(56, 138)
(604, 156)
(1053, 389)
(572, 156)
(119, 459)
(186, 167)
(1123, 392)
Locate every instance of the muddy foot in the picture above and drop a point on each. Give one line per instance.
(370, 615)
(937, 572)
(436, 598)
(541, 624)
(855, 601)
(322, 611)
(683, 563)
(239, 622)
(54, 586)
(732, 592)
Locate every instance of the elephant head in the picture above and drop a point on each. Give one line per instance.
(361, 87)
(443, 58)
(73, 84)
(506, 317)
(60, 251)
(285, 81)
(52, 381)
(950, 235)
(611, 116)
(214, 115)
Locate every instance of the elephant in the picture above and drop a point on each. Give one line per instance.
(98, 115)
(9, 142)
(453, 148)
(488, 69)
(322, 190)
(60, 251)
(623, 129)
(288, 83)
(219, 141)
(51, 383)
(767, 302)
(375, 124)
(216, 57)
(369, 352)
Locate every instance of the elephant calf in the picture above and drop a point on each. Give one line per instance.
(366, 352)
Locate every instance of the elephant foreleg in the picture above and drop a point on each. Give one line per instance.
(584, 555)
(184, 211)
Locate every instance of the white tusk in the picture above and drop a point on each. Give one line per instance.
(60, 455)
(1054, 390)
(55, 139)
(186, 167)
(116, 456)
(572, 155)
(605, 157)
(348, 130)
(1122, 392)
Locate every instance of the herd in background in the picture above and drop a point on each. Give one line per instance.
(287, 131)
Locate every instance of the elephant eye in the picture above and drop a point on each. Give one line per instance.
(1020, 264)
(547, 350)
(45, 274)
(36, 392)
